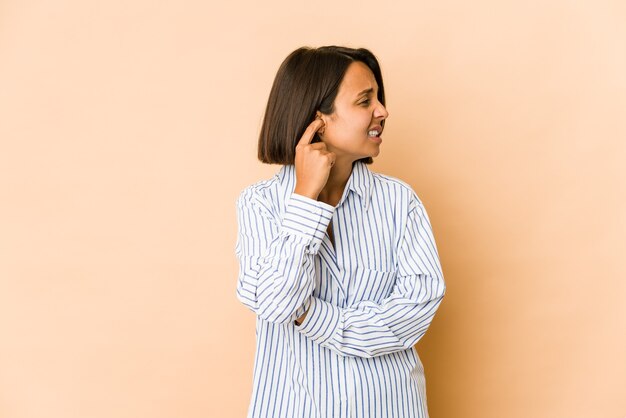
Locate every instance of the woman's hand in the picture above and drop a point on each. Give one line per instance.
(313, 163)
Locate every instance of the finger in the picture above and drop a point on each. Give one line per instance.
(332, 158)
(317, 145)
(307, 136)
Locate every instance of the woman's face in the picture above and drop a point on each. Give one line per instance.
(357, 112)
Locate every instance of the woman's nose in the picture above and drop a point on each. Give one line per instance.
(381, 111)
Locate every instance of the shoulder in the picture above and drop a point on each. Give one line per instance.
(254, 191)
(266, 195)
(396, 190)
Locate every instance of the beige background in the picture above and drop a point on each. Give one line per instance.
(128, 128)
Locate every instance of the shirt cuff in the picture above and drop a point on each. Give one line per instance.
(308, 219)
(322, 320)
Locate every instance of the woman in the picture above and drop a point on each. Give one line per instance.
(338, 262)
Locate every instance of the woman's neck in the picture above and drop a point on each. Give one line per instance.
(337, 180)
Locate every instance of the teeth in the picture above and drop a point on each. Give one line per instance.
(373, 133)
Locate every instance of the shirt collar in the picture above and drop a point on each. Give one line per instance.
(360, 182)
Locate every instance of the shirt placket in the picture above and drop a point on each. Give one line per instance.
(345, 399)
(347, 396)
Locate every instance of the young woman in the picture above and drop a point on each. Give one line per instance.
(338, 262)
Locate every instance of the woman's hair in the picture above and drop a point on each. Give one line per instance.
(308, 80)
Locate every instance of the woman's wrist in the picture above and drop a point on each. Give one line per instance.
(299, 320)
(307, 193)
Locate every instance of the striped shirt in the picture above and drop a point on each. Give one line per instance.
(370, 297)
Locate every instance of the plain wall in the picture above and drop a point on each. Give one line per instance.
(128, 129)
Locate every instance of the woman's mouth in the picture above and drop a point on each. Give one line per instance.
(374, 134)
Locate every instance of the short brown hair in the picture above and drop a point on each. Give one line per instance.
(308, 80)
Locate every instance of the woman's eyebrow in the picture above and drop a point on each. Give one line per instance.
(365, 91)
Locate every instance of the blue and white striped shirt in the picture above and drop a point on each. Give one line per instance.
(370, 297)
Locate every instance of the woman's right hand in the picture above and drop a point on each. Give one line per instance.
(313, 163)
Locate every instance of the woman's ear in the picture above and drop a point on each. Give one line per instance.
(318, 115)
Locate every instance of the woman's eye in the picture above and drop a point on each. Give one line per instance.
(366, 101)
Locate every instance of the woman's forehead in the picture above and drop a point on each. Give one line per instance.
(357, 80)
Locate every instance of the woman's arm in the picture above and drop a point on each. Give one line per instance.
(370, 329)
(276, 257)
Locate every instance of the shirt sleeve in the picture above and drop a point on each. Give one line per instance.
(370, 329)
(276, 256)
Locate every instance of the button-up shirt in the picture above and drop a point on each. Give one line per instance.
(369, 297)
